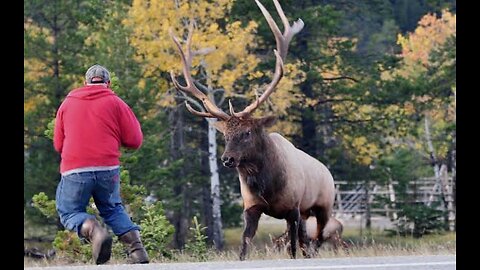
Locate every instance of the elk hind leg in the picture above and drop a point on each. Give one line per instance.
(322, 218)
(280, 242)
(303, 238)
(333, 234)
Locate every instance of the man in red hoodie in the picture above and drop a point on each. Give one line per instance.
(91, 125)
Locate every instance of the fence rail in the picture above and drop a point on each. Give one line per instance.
(366, 198)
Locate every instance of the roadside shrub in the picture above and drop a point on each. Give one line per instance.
(68, 246)
(197, 245)
(157, 231)
(418, 220)
(44, 205)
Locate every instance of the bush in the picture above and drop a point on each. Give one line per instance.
(69, 246)
(44, 205)
(418, 220)
(157, 232)
(197, 246)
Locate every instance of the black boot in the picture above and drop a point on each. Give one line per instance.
(135, 250)
(99, 238)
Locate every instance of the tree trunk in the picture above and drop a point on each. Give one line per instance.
(215, 185)
(308, 142)
(433, 160)
(454, 178)
(184, 217)
(449, 216)
(207, 213)
(441, 172)
(454, 167)
(177, 145)
(207, 218)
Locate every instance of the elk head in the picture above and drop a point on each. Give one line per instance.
(244, 135)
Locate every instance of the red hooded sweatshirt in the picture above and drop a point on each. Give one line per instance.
(91, 125)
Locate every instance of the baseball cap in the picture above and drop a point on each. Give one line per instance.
(97, 71)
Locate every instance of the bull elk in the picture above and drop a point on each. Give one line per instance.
(275, 177)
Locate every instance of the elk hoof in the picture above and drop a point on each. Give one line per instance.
(242, 257)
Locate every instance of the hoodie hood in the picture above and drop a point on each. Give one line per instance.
(91, 92)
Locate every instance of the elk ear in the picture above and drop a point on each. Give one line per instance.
(220, 126)
(267, 121)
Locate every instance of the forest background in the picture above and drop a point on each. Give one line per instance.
(369, 90)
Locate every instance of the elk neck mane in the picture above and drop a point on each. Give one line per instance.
(264, 174)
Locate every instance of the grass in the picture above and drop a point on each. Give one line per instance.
(363, 243)
(368, 243)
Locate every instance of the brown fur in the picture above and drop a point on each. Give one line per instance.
(279, 180)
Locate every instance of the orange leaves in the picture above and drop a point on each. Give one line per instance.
(430, 34)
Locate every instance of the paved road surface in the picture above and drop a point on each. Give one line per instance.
(437, 262)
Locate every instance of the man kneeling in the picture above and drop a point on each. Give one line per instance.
(91, 124)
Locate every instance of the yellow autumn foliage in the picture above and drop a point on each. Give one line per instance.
(353, 111)
(333, 71)
(430, 34)
(287, 92)
(34, 69)
(230, 59)
(30, 104)
(364, 152)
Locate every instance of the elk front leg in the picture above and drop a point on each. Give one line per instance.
(251, 217)
(293, 221)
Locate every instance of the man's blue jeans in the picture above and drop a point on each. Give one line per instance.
(73, 195)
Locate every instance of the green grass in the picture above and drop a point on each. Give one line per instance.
(263, 236)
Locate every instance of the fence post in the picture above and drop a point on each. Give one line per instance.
(355, 201)
(391, 193)
(447, 198)
(368, 217)
(339, 200)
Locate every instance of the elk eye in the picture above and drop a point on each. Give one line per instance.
(248, 133)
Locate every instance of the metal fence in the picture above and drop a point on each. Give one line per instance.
(364, 199)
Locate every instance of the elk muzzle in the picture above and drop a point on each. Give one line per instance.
(228, 162)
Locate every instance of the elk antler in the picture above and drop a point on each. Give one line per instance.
(282, 41)
(212, 110)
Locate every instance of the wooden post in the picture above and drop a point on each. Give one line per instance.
(368, 219)
(391, 193)
(339, 199)
(448, 199)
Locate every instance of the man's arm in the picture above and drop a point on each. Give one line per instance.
(58, 133)
(131, 135)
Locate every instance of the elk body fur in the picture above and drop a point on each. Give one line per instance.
(290, 179)
(276, 178)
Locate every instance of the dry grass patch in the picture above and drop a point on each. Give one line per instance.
(369, 243)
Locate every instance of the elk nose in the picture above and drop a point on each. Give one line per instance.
(228, 161)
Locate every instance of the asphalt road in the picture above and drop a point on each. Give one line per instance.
(437, 262)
